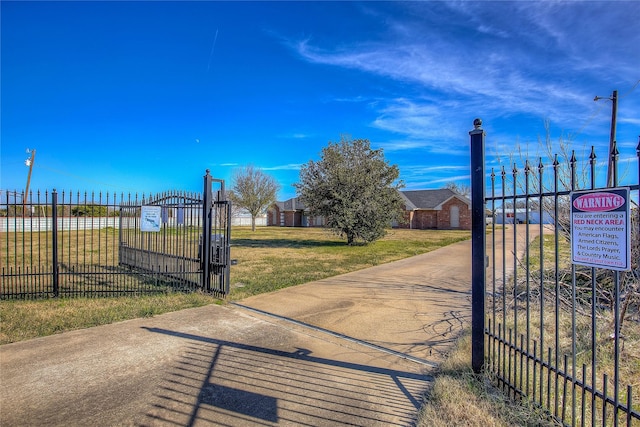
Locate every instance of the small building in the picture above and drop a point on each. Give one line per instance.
(292, 213)
(441, 209)
(521, 216)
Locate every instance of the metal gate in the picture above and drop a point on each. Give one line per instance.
(550, 331)
(74, 244)
(180, 238)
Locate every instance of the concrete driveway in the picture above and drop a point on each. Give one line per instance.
(355, 349)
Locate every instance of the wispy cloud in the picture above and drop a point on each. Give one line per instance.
(532, 58)
(436, 182)
(442, 168)
(433, 176)
(410, 118)
(296, 135)
(290, 167)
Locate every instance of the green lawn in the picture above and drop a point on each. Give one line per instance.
(270, 258)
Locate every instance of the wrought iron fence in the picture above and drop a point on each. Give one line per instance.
(92, 243)
(552, 332)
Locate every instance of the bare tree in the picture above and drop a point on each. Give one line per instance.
(461, 189)
(564, 171)
(570, 171)
(253, 190)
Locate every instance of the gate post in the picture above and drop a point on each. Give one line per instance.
(205, 252)
(54, 243)
(227, 246)
(478, 239)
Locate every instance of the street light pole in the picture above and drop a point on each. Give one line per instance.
(612, 136)
(28, 162)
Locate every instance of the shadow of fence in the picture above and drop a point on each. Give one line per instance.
(221, 382)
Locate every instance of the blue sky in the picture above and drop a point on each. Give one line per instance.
(145, 96)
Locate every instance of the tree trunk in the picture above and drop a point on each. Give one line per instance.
(350, 238)
(253, 223)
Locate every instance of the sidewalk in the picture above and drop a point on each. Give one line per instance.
(355, 349)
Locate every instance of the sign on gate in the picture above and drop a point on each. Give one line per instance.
(600, 231)
(150, 218)
(193, 253)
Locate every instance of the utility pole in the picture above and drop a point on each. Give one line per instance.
(28, 162)
(612, 137)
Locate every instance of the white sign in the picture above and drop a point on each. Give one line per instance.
(151, 218)
(600, 231)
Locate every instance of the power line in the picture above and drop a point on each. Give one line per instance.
(630, 90)
(601, 106)
(612, 138)
(590, 118)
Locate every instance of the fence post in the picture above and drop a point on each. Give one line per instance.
(54, 243)
(205, 253)
(478, 238)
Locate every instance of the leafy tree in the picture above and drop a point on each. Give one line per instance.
(354, 188)
(89, 210)
(253, 190)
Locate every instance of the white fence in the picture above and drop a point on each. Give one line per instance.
(19, 224)
(38, 224)
(244, 221)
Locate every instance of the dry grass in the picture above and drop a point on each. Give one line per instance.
(560, 341)
(629, 361)
(458, 397)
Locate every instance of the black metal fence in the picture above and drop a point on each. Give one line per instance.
(88, 244)
(550, 331)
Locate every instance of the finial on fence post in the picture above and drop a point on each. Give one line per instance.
(477, 123)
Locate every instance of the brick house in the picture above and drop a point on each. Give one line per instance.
(292, 213)
(441, 209)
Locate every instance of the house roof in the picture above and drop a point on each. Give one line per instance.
(430, 199)
(416, 199)
(293, 204)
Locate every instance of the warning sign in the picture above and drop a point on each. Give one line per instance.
(600, 230)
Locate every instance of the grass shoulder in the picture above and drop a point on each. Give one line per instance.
(23, 320)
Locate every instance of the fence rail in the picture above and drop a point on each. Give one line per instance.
(549, 331)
